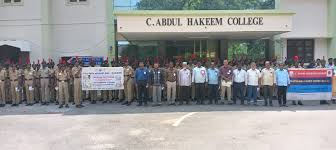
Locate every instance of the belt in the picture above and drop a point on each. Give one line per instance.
(14, 80)
(44, 77)
(78, 77)
(171, 81)
(29, 79)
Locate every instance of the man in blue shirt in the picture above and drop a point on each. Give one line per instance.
(213, 75)
(282, 81)
(141, 81)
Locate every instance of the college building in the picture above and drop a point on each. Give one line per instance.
(116, 28)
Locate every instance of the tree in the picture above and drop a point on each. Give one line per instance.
(205, 4)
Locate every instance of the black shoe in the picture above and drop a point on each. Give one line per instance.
(210, 103)
(61, 106)
(120, 101)
(140, 104)
(284, 105)
(124, 103)
(293, 102)
(13, 105)
(265, 104)
(300, 103)
(271, 105)
(56, 103)
(129, 104)
(104, 102)
(93, 102)
(66, 106)
(2, 105)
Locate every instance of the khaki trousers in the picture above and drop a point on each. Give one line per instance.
(2, 92)
(171, 92)
(77, 91)
(63, 91)
(128, 90)
(45, 90)
(15, 92)
(226, 89)
(29, 93)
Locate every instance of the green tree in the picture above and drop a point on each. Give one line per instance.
(205, 4)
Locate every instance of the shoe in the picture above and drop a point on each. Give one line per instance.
(2, 105)
(140, 104)
(284, 105)
(128, 104)
(61, 106)
(66, 106)
(300, 103)
(124, 103)
(104, 102)
(93, 102)
(120, 101)
(293, 102)
(271, 105)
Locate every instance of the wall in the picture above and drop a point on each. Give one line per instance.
(23, 22)
(310, 20)
(78, 30)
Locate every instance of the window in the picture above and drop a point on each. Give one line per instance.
(12, 2)
(76, 2)
(303, 48)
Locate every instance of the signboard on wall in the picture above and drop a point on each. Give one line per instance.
(280, 23)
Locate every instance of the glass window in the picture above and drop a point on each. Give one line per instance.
(12, 2)
(303, 48)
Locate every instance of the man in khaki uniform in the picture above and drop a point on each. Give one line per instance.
(106, 94)
(52, 82)
(7, 84)
(37, 82)
(29, 77)
(77, 74)
(57, 70)
(3, 76)
(63, 89)
(128, 83)
(45, 74)
(171, 79)
(14, 76)
(70, 83)
(93, 93)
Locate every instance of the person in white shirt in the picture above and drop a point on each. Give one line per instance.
(239, 76)
(184, 79)
(200, 79)
(267, 83)
(252, 82)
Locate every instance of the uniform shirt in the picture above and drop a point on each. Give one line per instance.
(62, 75)
(213, 75)
(239, 76)
(29, 74)
(226, 72)
(3, 75)
(199, 75)
(282, 78)
(76, 72)
(14, 75)
(45, 72)
(171, 75)
(128, 72)
(141, 74)
(184, 77)
(267, 76)
(252, 77)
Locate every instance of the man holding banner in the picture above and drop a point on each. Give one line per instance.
(282, 81)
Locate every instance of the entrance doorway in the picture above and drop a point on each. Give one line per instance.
(12, 53)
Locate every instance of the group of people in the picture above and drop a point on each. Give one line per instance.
(174, 83)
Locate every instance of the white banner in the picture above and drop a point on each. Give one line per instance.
(102, 78)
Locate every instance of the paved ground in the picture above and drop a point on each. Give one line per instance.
(115, 127)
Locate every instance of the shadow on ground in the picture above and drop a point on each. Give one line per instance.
(117, 108)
